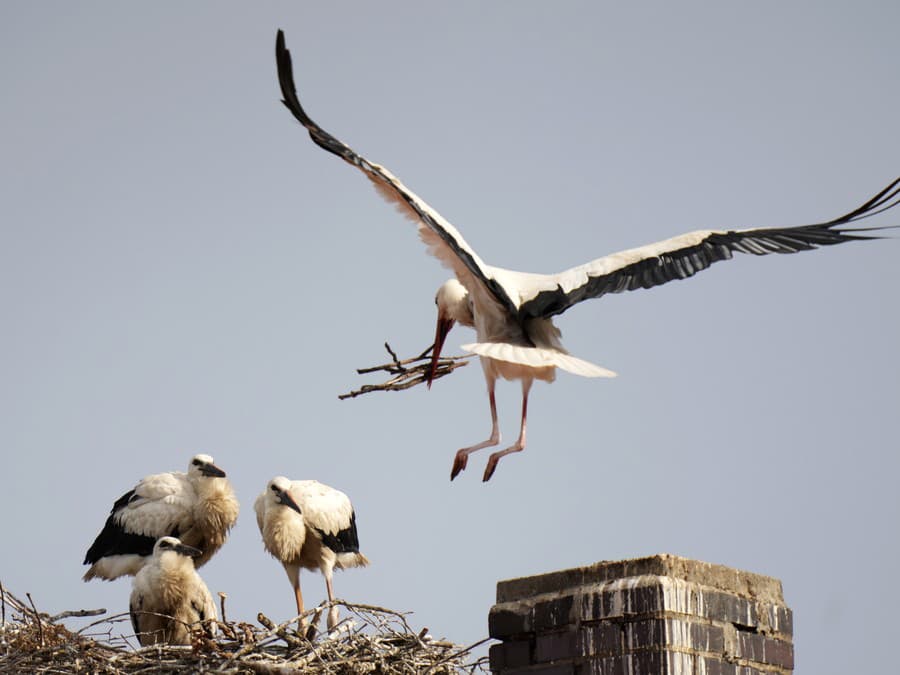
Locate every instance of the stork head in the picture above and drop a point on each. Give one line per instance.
(278, 491)
(203, 465)
(452, 300)
(165, 545)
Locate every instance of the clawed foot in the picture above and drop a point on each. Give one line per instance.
(493, 460)
(333, 617)
(459, 463)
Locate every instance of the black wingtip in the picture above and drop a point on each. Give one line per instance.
(292, 102)
(885, 199)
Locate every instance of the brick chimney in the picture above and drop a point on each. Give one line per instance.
(649, 616)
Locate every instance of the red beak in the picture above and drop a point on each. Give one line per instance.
(444, 325)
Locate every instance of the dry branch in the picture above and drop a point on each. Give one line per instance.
(370, 640)
(405, 374)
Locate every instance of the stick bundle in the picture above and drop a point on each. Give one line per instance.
(405, 374)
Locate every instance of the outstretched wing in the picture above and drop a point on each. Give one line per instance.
(442, 239)
(683, 256)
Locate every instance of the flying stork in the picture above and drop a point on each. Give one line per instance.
(512, 312)
(199, 507)
(168, 597)
(305, 523)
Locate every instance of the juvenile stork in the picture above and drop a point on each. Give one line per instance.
(512, 312)
(198, 507)
(307, 524)
(168, 597)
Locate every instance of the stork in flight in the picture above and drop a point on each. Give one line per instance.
(512, 311)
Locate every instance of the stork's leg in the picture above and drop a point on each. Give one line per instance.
(333, 611)
(519, 445)
(462, 456)
(294, 577)
(298, 594)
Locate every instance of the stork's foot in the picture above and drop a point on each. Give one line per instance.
(332, 617)
(459, 463)
(307, 629)
(494, 459)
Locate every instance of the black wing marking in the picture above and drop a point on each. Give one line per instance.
(464, 260)
(345, 541)
(114, 539)
(683, 256)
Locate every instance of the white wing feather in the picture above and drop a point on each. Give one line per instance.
(323, 507)
(161, 503)
(537, 357)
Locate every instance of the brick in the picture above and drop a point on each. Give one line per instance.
(779, 653)
(510, 620)
(719, 606)
(555, 647)
(645, 599)
(713, 666)
(554, 613)
(644, 634)
(600, 639)
(650, 663)
(765, 650)
(781, 619)
(513, 654)
(750, 646)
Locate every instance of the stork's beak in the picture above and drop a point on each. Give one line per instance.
(188, 551)
(444, 324)
(284, 498)
(212, 471)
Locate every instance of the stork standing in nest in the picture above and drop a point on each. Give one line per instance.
(168, 597)
(306, 524)
(198, 507)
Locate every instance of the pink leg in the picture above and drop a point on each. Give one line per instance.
(333, 611)
(519, 445)
(462, 456)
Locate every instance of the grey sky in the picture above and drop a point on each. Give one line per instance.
(182, 271)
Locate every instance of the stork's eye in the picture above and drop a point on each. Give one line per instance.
(197, 462)
(274, 488)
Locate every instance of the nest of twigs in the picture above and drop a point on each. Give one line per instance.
(368, 640)
(406, 373)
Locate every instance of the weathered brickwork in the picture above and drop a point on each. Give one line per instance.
(650, 616)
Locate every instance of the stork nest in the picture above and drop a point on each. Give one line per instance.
(369, 640)
(407, 373)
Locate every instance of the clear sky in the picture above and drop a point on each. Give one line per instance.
(183, 271)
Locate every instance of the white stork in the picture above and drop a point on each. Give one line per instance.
(307, 524)
(512, 311)
(168, 597)
(199, 507)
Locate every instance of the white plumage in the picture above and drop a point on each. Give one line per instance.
(168, 597)
(199, 507)
(306, 524)
(512, 312)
